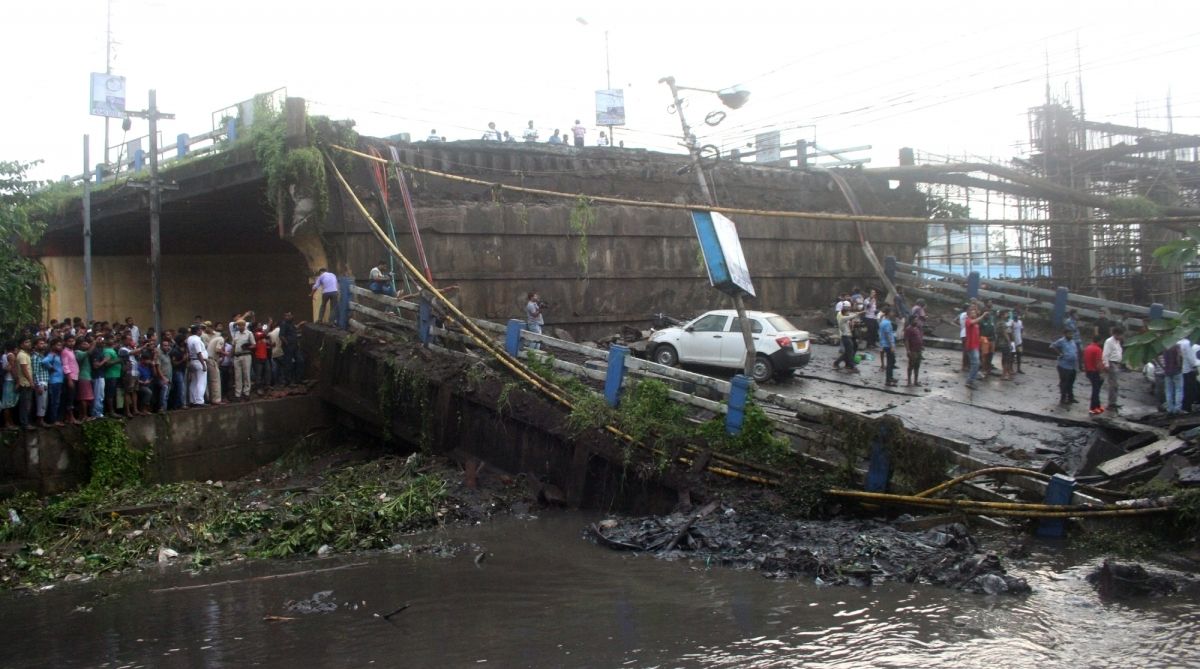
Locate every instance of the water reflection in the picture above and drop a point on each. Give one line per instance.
(544, 598)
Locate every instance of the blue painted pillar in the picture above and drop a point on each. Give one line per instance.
(139, 160)
(616, 374)
(972, 285)
(231, 129)
(1059, 491)
(879, 472)
(343, 306)
(889, 268)
(181, 144)
(738, 392)
(1156, 311)
(1060, 307)
(424, 319)
(512, 336)
(99, 173)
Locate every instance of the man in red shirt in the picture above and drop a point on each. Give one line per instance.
(1093, 366)
(262, 358)
(972, 343)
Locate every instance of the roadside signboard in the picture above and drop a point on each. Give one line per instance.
(610, 107)
(108, 95)
(723, 256)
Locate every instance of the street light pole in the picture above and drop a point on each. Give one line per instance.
(689, 141)
(155, 188)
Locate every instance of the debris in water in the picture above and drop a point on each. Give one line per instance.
(388, 616)
(318, 603)
(480, 558)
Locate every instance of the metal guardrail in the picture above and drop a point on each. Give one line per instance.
(1028, 297)
(228, 123)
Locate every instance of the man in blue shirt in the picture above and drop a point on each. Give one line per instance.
(887, 344)
(53, 366)
(1068, 362)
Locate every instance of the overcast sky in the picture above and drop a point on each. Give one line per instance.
(953, 78)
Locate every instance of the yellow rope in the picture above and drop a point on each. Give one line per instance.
(810, 215)
(484, 341)
(1010, 470)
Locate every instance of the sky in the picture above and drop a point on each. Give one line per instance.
(951, 79)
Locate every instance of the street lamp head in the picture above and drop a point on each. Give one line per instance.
(734, 97)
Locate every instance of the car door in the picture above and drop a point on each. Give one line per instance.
(733, 348)
(701, 342)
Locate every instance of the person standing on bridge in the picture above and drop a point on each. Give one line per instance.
(533, 316)
(215, 347)
(326, 283)
(579, 131)
(887, 344)
(914, 349)
(197, 366)
(491, 134)
(530, 134)
(971, 343)
(845, 324)
(243, 349)
(1113, 356)
(1068, 362)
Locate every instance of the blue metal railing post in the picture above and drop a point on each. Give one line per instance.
(972, 285)
(512, 336)
(1058, 492)
(615, 374)
(344, 296)
(139, 160)
(1060, 306)
(231, 129)
(879, 472)
(738, 391)
(181, 144)
(424, 319)
(1156, 312)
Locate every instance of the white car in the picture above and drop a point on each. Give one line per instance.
(715, 339)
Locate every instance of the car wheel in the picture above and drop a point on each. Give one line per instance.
(762, 370)
(665, 355)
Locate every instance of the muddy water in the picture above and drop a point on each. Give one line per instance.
(542, 597)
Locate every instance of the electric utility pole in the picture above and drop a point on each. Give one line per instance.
(153, 115)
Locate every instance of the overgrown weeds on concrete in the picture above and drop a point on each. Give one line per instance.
(98, 530)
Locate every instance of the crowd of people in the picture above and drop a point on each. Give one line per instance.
(1095, 350)
(883, 325)
(70, 371)
(575, 135)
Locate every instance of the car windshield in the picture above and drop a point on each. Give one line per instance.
(781, 324)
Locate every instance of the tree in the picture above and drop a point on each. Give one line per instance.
(1162, 334)
(22, 279)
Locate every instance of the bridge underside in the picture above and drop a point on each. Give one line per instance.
(221, 254)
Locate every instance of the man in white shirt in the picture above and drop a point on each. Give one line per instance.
(197, 366)
(215, 348)
(433, 136)
(491, 134)
(962, 336)
(1110, 361)
(530, 134)
(579, 131)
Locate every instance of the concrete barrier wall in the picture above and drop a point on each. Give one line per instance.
(218, 443)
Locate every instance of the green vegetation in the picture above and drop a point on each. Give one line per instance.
(114, 463)
(1142, 347)
(297, 172)
(99, 530)
(582, 219)
(21, 223)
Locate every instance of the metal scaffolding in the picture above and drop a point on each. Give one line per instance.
(1146, 168)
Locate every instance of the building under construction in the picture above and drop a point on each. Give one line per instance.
(1072, 169)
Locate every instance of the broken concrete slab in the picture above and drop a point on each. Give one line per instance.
(1141, 457)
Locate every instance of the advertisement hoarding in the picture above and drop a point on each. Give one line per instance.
(723, 256)
(108, 95)
(610, 107)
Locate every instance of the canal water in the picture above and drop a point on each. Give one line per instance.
(543, 597)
